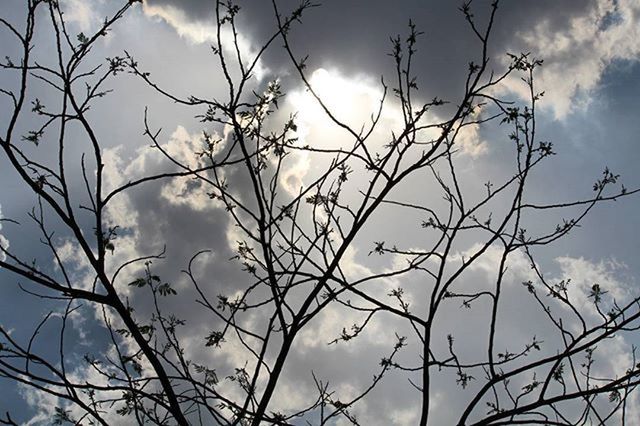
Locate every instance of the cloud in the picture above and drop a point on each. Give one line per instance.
(45, 406)
(581, 275)
(203, 31)
(189, 10)
(83, 13)
(576, 56)
(182, 147)
(145, 230)
(520, 319)
(578, 40)
(170, 213)
(180, 213)
(153, 215)
(176, 212)
(42, 403)
(195, 31)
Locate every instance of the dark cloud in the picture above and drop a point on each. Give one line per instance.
(354, 35)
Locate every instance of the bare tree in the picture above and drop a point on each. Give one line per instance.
(293, 245)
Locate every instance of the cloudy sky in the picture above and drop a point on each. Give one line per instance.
(591, 80)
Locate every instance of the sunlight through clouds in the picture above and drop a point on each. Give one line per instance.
(353, 99)
(355, 102)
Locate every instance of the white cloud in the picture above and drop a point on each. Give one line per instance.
(196, 32)
(405, 417)
(576, 57)
(199, 32)
(42, 403)
(518, 266)
(584, 274)
(182, 147)
(83, 13)
(469, 141)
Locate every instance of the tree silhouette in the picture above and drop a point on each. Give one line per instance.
(293, 247)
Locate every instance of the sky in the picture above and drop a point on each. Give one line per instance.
(591, 80)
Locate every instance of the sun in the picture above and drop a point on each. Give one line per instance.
(351, 98)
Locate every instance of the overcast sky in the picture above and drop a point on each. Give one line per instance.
(591, 79)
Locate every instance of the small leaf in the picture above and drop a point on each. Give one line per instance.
(166, 290)
(138, 282)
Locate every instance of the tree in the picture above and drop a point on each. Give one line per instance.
(293, 248)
